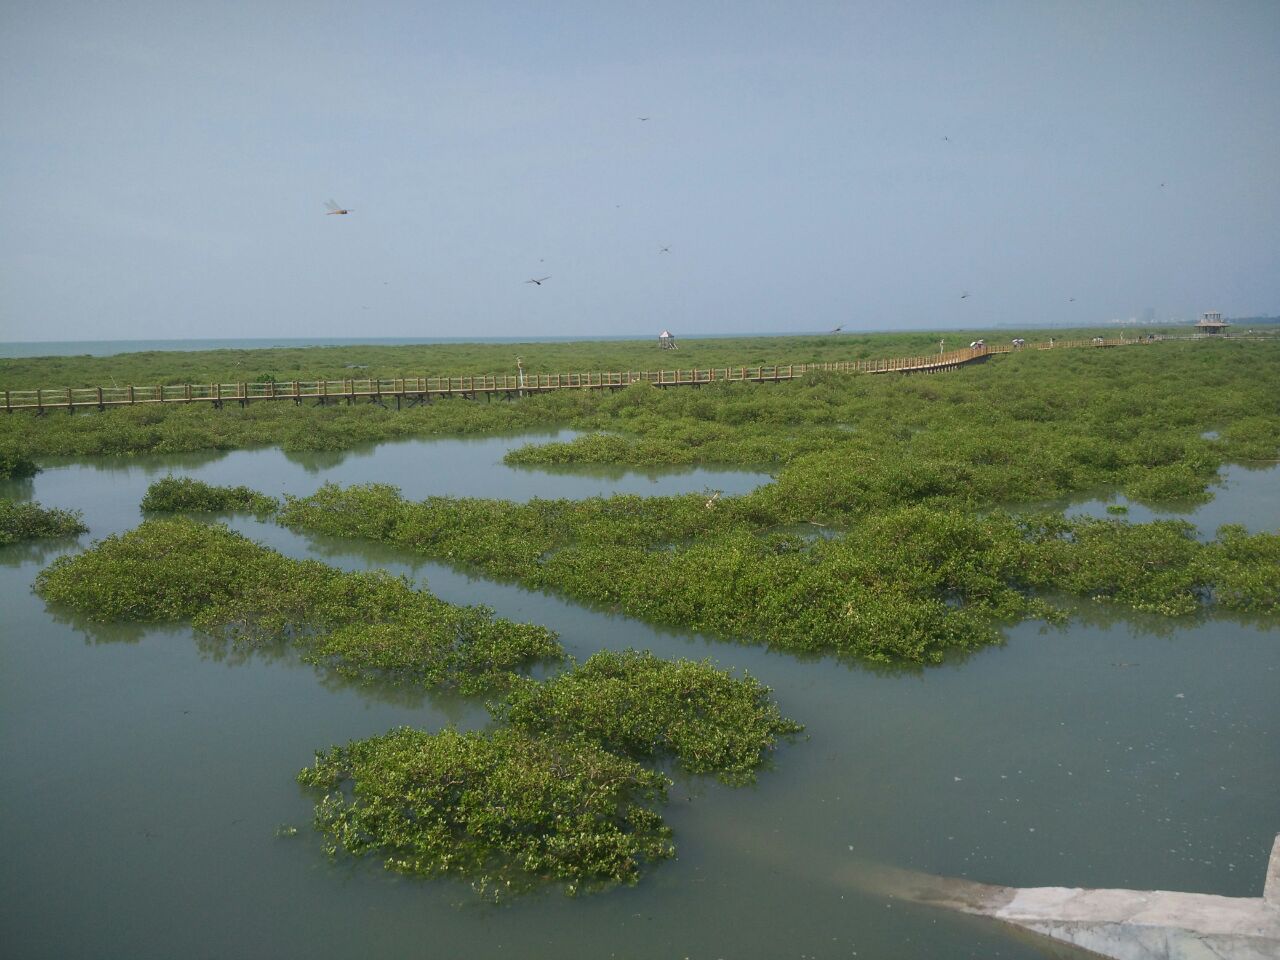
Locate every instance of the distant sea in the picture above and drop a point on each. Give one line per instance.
(107, 348)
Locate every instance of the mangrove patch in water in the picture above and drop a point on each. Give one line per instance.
(188, 495)
(30, 521)
(15, 464)
(557, 791)
(639, 705)
(905, 584)
(502, 809)
(362, 625)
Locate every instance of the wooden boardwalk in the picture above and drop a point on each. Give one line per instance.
(418, 390)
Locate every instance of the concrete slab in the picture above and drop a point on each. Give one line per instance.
(1123, 924)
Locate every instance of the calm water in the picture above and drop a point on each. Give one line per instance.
(464, 467)
(1248, 495)
(107, 348)
(146, 775)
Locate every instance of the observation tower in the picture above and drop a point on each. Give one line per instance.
(1211, 324)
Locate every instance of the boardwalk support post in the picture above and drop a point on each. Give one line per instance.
(424, 390)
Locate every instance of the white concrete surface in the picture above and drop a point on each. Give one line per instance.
(1123, 924)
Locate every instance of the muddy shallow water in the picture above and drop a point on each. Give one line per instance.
(147, 773)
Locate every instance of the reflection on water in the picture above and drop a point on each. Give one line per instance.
(473, 467)
(316, 461)
(93, 632)
(456, 467)
(18, 489)
(1247, 494)
(38, 552)
(150, 772)
(150, 465)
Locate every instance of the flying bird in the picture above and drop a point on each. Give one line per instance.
(538, 281)
(334, 208)
(837, 329)
(1071, 299)
(664, 250)
(642, 119)
(965, 295)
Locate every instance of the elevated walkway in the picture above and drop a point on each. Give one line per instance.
(418, 390)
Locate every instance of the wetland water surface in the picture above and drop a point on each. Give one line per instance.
(146, 775)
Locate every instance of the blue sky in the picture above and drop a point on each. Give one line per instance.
(164, 166)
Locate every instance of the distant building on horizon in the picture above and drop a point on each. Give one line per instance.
(1211, 323)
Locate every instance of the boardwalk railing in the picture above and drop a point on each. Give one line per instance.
(417, 390)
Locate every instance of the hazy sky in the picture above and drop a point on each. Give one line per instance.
(165, 165)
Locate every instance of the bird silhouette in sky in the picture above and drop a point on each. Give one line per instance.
(837, 329)
(335, 209)
(946, 139)
(642, 119)
(664, 250)
(965, 295)
(538, 281)
(1071, 299)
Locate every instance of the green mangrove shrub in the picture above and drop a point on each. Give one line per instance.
(1158, 567)
(188, 495)
(905, 583)
(1252, 438)
(636, 704)
(15, 464)
(1022, 428)
(675, 560)
(1243, 569)
(1169, 482)
(30, 521)
(503, 810)
(501, 537)
(362, 625)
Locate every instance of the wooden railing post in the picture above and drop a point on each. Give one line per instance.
(589, 379)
